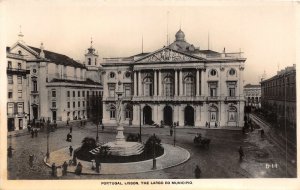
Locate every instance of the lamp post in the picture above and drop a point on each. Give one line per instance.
(48, 132)
(140, 123)
(175, 124)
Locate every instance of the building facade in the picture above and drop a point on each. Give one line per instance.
(252, 95)
(48, 85)
(279, 96)
(178, 83)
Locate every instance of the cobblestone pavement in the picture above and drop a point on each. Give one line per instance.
(221, 160)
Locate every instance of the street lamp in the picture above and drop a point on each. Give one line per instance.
(48, 132)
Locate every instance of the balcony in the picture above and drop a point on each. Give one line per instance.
(232, 98)
(15, 71)
(34, 92)
(213, 98)
(169, 98)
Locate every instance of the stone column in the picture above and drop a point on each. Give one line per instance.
(139, 83)
(134, 84)
(154, 113)
(176, 83)
(180, 83)
(198, 116)
(181, 115)
(197, 83)
(155, 84)
(203, 82)
(159, 83)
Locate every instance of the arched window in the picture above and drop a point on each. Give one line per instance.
(168, 86)
(128, 112)
(34, 85)
(147, 86)
(189, 86)
(89, 61)
(232, 114)
(112, 112)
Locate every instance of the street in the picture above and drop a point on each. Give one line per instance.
(263, 158)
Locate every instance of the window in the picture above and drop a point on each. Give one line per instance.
(213, 88)
(168, 86)
(213, 72)
(73, 93)
(231, 88)
(128, 112)
(147, 86)
(68, 93)
(112, 75)
(19, 66)
(10, 108)
(189, 86)
(10, 79)
(19, 79)
(83, 93)
(53, 104)
(89, 61)
(232, 72)
(78, 104)
(83, 103)
(73, 104)
(20, 108)
(232, 92)
(10, 94)
(19, 93)
(112, 112)
(78, 93)
(9, 65)
(127, 91)
(68, 104)
(34, 70)
(213, 91)
(20, 52)
(34, 84)
(127, 74)
(53, 93)
(111, 89)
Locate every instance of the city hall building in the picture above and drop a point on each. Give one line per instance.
(178, 83)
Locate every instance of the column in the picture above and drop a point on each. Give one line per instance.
(198, 116)
(155, 84)
(159, 83)
(139, 83)
(203, 82)
(197, 83)
(176, 83)
(180, 83)
(134, 84)
(181, 115)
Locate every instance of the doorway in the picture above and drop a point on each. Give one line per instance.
(168, 116)
(147, 115)
(189, 116)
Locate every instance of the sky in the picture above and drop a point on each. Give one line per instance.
(265, 31)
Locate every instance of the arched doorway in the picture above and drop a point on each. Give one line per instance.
(147, 115)
(168, 116)
(189, 116)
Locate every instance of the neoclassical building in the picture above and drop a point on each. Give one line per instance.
(253, 95)
(178, 83)
(47, 85)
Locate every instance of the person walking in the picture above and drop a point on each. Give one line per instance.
(9, 151)
(69, 137)
(71, 129)
(241, 153)
(78, 169)
(171, 131)
(71, 150)
(53, 170)
(64, 168)
(197, 172)
(32, 133)
(216, 125)
(35, 132)
(74, 160)
(31, 158)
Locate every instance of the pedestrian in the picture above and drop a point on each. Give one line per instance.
(98, 164)
(35, 132)
(67, 122)
(206, 124)
(9, 151)
(171, 131)
(64, 168)
(31, 158)
(74, 160)
(241, 153)
(69, 137)
(53, 170)
(29, 128)
(102, 126)
(262, 133)
(197, 172)
(70, 162)
(71, 150)
(78, 169)
(216, 125)
(32, 133)
(71, 129)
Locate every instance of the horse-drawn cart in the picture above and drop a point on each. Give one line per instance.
(201, 141)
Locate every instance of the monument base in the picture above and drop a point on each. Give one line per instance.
(125, 148)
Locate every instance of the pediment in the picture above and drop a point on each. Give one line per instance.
(168, 55)
(26, 51)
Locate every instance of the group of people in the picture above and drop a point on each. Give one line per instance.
(207, 125)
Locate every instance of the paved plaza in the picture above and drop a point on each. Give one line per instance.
(263, 158)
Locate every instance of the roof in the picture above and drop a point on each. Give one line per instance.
(252, 86)
(59, 58)
(87, 81)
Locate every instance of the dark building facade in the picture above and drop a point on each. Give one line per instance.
(278, 97)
